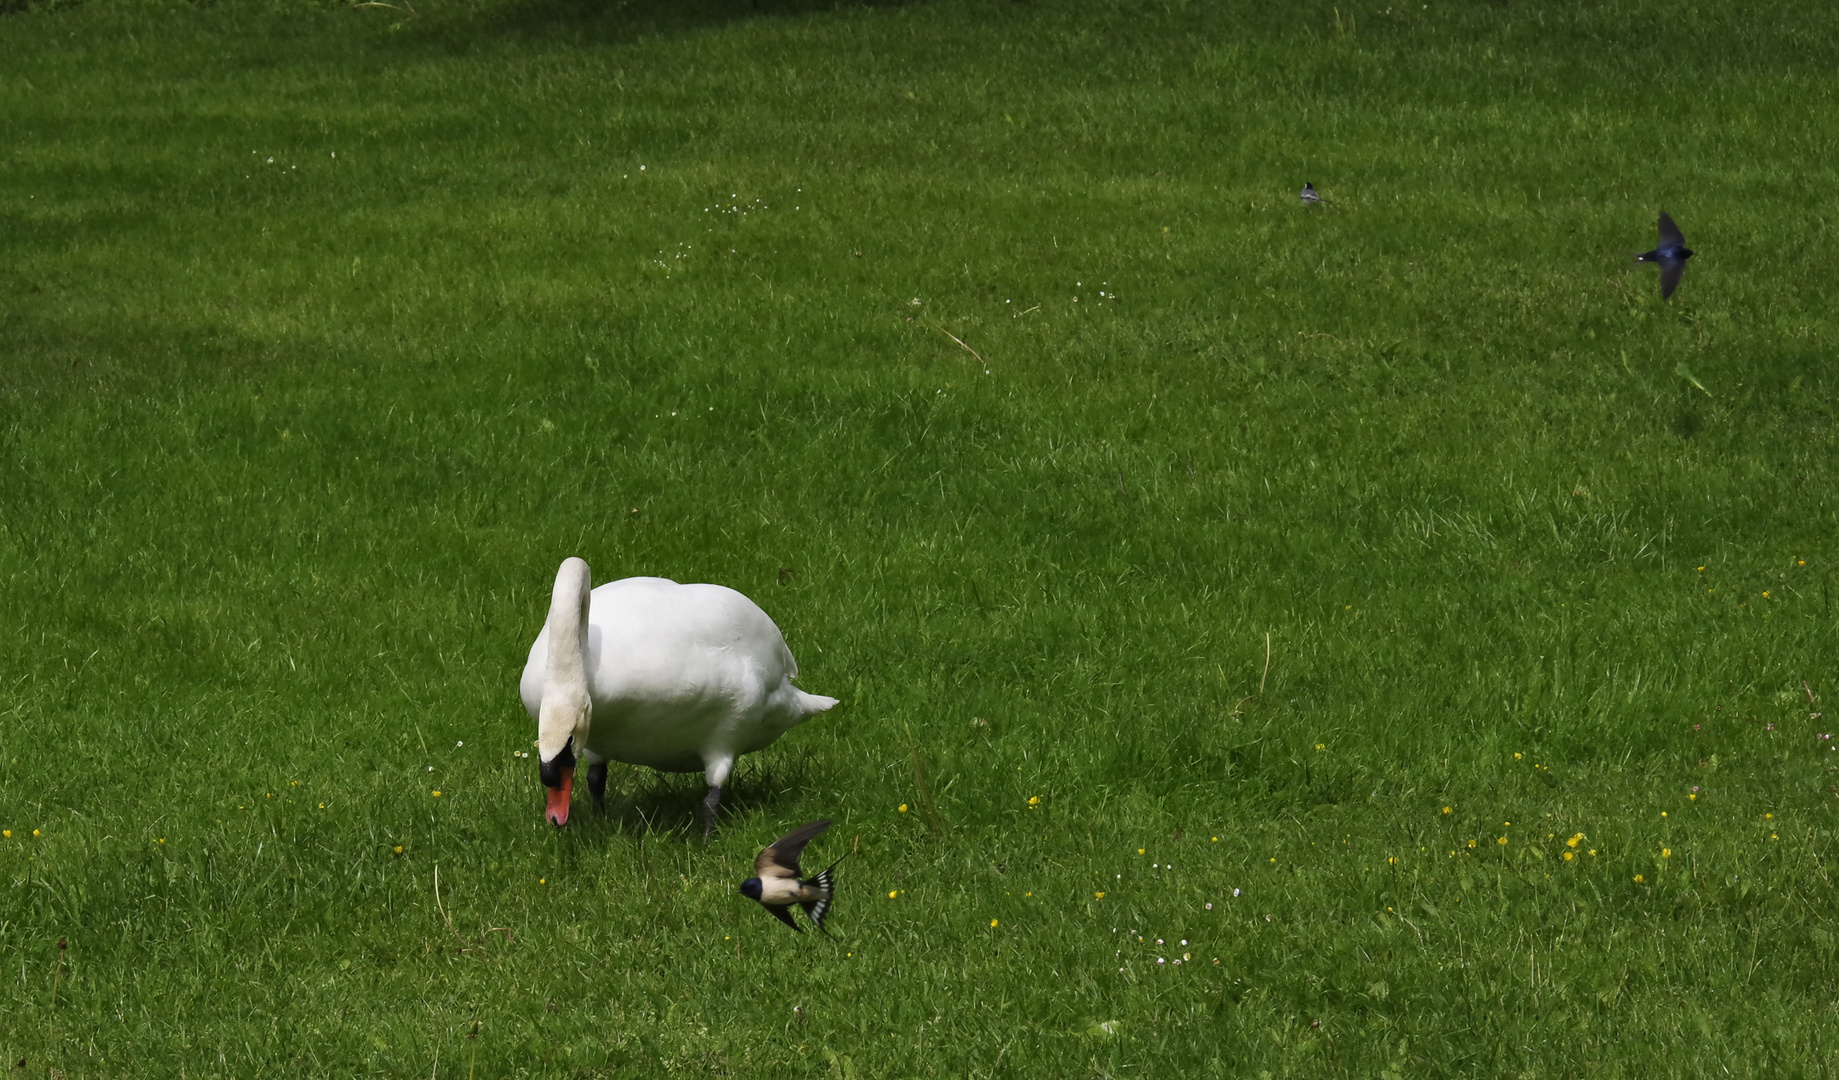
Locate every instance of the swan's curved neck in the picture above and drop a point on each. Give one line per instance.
(567, 625)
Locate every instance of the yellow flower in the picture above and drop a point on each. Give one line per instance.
(1772, 836)
(1666, 853)
(1446, 809)
(161, 840)
(1391, 860)
(1034, 800)
(1516, 756)
(542, 881)
(8, 833)
(892, 893)
(1139, 851)
(437, 794)
(398, 849)
(1568, 856)
(1321, 746)
(1765, 594)
(34, 832)
(1767, 816)
(1803, 562)
(1471, 843)
(268, 794)
(1098, 895)
(1663, 813)
(1502, 840)
(1638, 877)
(295, 783)
(903, 808)
(1694, 797)
(992, 922)
(322, 806)
(1593, 851)
(1216, 839)
(1701, 568)
(1572, 842)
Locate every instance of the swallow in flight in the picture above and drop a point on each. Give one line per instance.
(777, 886)
(1671, 254)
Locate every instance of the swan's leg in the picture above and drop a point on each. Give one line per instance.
(716, 772)
(597, 784)
(709, 804)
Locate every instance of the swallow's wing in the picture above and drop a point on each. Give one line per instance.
(781, 858)
(784, 915)
(1670, 270)
(1669, 233)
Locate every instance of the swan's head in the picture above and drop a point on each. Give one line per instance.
(562, 726)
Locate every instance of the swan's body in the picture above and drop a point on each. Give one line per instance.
(680, 678)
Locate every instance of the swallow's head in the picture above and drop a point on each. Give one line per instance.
(751, 888)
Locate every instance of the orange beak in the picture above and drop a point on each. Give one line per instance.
(557, 810)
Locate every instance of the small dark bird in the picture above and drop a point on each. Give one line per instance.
(1310, 198)
(1671, 254)
(777, 887)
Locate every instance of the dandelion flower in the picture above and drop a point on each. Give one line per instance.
(993, 922)
(1139, 851)
(903, 808)
(398, 849)
(542, 881)
(34, 832)
(1216, 839)
(1446, 809)
(1034, 800)
(437, 794)
(1098, 896)
(892, 893)
(1693, 797)
(1767, 816)
(1639, 878)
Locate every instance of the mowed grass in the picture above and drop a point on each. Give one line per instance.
(1276, 591)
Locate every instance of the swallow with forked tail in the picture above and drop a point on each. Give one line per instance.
(777, 885)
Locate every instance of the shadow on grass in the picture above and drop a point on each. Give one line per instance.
(642, 802)
(614, 22)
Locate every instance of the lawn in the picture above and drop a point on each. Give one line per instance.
(1388, 627)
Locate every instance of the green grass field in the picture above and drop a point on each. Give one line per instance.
(326, 333)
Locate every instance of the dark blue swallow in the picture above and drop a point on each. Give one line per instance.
(1671, 254)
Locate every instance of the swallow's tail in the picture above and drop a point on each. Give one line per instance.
(819, 908)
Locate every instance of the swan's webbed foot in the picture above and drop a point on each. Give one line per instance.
(709, 805)
(597, 784)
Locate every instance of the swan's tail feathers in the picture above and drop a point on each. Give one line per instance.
(812, 704)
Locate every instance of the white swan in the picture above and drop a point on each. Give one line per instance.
(681, 678)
